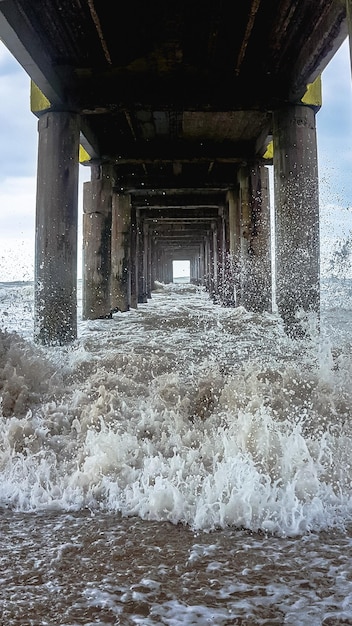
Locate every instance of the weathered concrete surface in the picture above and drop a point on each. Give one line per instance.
(297, 214)
(96, 271)
(255, 242)
(56, 229)
(121, 253)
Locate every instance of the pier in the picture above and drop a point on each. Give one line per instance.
(179, 110)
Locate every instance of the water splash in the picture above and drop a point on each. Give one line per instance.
(180, 411)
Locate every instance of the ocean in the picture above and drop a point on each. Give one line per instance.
(179, 464)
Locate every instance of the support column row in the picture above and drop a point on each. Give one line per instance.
(237, 249)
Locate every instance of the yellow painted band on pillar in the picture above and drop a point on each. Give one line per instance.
(269, 153)
(313, 94)
(39, 102)
(312, 97)
(83, 155)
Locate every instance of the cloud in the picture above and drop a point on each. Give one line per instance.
(17, 226)
(334, 131)
(18, 164)
(18, 126)
(337, 77)
(17, 202)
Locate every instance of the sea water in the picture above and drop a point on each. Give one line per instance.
(181, 463)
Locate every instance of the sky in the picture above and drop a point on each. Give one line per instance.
(18, 163)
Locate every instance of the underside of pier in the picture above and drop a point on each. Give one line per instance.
(179, 109)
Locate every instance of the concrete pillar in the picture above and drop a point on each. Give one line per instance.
(232, 269)
(202, 264)
(208, 261)
(147, 260)
(154, 261)
(197, 267)
(245, 235)
(262, 243)
(97, 202)
(214, 260)
(158, 266)
(141, 252)
(296, 214)
(232, 199)
(255, 244)
(157, 262)
(221, 255)
(121, 252)
(55, 314)
(200, 261)
(193, 270)
(134, 260)
(167, 269)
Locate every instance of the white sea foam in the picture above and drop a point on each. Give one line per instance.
(181, 411)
